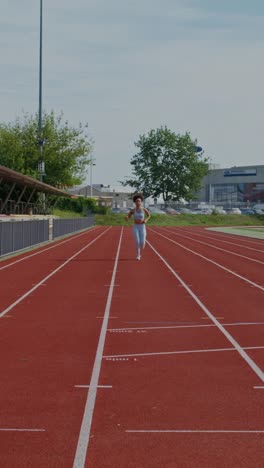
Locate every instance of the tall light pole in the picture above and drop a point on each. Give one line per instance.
(91, 177)
(41, 165)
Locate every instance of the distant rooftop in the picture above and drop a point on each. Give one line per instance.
(107, 188)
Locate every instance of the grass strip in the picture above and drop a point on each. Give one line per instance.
(185, 220)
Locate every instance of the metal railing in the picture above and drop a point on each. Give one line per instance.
(62, 227)
(18, 235)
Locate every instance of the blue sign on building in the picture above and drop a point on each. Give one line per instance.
(240, 172)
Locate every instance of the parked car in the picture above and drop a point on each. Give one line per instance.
(259, 208)
(171, 211)
(220, 210)
(196, 211)
(156, 211)
(247, 211)
(202, 211)
(184, 211)
(124, 210)
(235, 211)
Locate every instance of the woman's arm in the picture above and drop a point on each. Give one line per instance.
(147, 213)
(131, 212)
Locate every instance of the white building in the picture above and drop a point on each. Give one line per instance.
(114, 197)
(239, 185)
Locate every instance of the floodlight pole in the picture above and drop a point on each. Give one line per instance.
(41, 168)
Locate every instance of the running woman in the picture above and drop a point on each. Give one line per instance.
(139, 228)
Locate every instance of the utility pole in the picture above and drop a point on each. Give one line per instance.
(91, 177)
(41, 164)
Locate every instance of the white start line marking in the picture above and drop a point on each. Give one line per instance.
(117, 359)
(115, 285)
(191, 351)
(89, 386)
(194, 431)
(236, 324)
(108, 318)
(16, 429)
(127, 331)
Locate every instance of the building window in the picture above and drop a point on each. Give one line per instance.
(234, 193)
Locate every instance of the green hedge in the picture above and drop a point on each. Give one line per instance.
(80, 205)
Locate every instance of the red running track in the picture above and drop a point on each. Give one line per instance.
(166, 344)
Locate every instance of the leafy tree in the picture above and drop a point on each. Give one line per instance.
(167, 164)
(66, 151)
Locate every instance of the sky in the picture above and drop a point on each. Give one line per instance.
(126, 67)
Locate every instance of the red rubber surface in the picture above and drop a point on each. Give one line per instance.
(49, 341)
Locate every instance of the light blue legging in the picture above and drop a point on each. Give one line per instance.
(139, 231)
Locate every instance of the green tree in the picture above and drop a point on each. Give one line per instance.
(167, 164)
(66, 152)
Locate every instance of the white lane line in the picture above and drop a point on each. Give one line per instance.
(4, 429)
(84, 436)
(194, 431)
(236, 324)
(229, 337)
(213, 246)
(210, 261)
(45, 250)
(89, 386)
(14, 304)
(220, 240)
(260, 388)
(191, 351)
